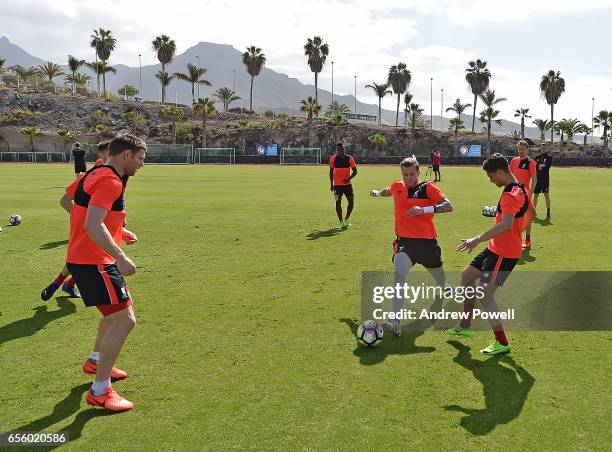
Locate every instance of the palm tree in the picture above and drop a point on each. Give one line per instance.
(336, 108)
(102, 68)
(66, 136)
(165, 79)
(174, 114)
(2, 69)
(243, 126)
(487, 116)
(205, 108)
(23, 73)
(78, 81)
(522, 112)
(478, 77)
(317, 53)
(572, 127)
(378, 139)
(337, 120)
(165, 48)
(254, 60)
(99, 130)
(455, 124)
(586, 130)
(415, 114)
(74, 64)
(458, 108)
(407, 100)
(311, 108)
(31, 133)
(104, 43)
(399, 79)
(552, 86)
(603, 120)
(270, 127)
(50, 70)
(226, 96)
(381, 91)
(543, 125)
(192, 76)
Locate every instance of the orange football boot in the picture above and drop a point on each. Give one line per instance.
(109, 400)
(90, 368)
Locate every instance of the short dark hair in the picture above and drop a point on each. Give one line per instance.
(340, 145)
(495, 162)
(103, 145)
(126, 142)
(77, 145)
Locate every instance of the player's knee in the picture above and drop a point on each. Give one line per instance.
(468, 277)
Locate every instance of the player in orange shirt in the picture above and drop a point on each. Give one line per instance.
(493, 265)
(524, 169)
(68, 285)
(415, 203)
(98, 263)
(340, 176)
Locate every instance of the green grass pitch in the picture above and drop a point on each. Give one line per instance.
(246, 297)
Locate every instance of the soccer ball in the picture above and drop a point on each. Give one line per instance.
(489, 211)
(15, 219)
(370, 333)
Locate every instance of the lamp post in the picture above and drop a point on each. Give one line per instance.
(140, 76)
(431, 103)
(332, 82)
(592, 118)
(234, 80)
(355, 98)
(441, 108)
(198, 59)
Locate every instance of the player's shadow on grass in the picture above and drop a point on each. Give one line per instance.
(505, 389)
(392, 345)
(41, 318)
(526, 257)
(51, 245)
(315, 235)
(543, 221)
(63, 410)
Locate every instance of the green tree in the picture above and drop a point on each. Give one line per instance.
(128, 91)
(99, 130)
(174, 114)
(381, 91)
(378, 139)
(24, 74)
(165, 79)
(455, 124)
(226, 96)
(2, 69)
(66, 136)
(544, 125)
(311, 108)
(399, 79)
(415, 115)
(74, 64)
(458, 108)
(478, 78)
(165, 49)
(101, 68)
(335, 108)
(487, 116)
(204, 107)
(254, 61)
(522, 113)
(31, 133)
(193, 76)
(104, 43)
(552, 86)
(77, 82)
(50, 71)
(243, 126)
(407, 100)
(603, 121)
(317, 53)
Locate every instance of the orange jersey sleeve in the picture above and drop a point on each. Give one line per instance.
(434, 193)
(71, 189)
(352, 162)
(331, 161)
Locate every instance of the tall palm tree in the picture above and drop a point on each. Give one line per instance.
(50, 70)
(23, 73)
(455, 124)
(381, 91)
(478, 77)
(226, 96)
(399, 79)
(78, 81)
(336, 108)
(311, 108)
(586, 130)
(192, 76)
(174, 114)
(205, 108)
(458, 108)
(572, 127)
(522, 113)
(407, 100)
(603, 121)
(254, 60)
(552, 86)
(487, 116)
(317, 53)
(31, 133)
(165, 79)
(415, 114)
(74, 64)
(543, 125)
(165, 48)
(103, 41)
(102, 68)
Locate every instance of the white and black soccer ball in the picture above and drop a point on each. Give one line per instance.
(489, 211)
(15, 219)
(485, 210)
(370, 333)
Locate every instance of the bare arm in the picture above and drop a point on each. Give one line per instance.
(384, 192)
(98, 232)
(331, 178)
(353, 174)
(443, 206)
(534, 179)
(66, 202)
(503, 226)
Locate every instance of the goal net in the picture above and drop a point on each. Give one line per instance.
(300, 156)
(222, 156)
(169, 153)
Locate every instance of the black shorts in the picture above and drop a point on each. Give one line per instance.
(80, 167)
(436, 168)
(420, 251)
(542, 184)
(346, 190)
(493, 267)
(100, 284)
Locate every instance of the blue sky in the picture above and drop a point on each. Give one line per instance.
(520, 39)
